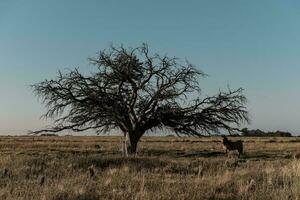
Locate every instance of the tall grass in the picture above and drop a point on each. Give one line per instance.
(90, 168)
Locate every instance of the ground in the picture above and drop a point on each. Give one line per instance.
(90, 168)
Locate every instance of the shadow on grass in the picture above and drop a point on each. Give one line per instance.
(215, 154)
(180, 153)
(138, 163)
(258, 156)
(161, 162)
(203, 154)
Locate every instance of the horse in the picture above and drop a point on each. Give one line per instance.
(232, 146)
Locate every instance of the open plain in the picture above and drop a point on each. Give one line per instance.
(90, 168)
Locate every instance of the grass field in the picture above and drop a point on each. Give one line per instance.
(90, 168)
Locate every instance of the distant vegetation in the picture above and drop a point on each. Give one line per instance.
(259, 133)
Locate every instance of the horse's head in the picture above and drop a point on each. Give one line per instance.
(224, 138)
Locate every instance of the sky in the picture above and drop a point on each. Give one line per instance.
(250, 44)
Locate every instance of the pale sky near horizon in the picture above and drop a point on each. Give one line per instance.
(251, 44)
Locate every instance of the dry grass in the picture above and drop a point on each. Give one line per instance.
(90, 168)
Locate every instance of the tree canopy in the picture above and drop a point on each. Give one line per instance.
(135, 91)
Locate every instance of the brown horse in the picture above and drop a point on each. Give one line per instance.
(231, 146)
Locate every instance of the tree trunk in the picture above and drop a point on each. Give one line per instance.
(124, 145)
(134, 138)
(132, 148)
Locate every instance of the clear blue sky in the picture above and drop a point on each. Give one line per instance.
(251, 44)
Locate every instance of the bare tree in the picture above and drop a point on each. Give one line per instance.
(135, 91)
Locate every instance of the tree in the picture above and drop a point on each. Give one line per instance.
(259, 133)
(135, 92)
